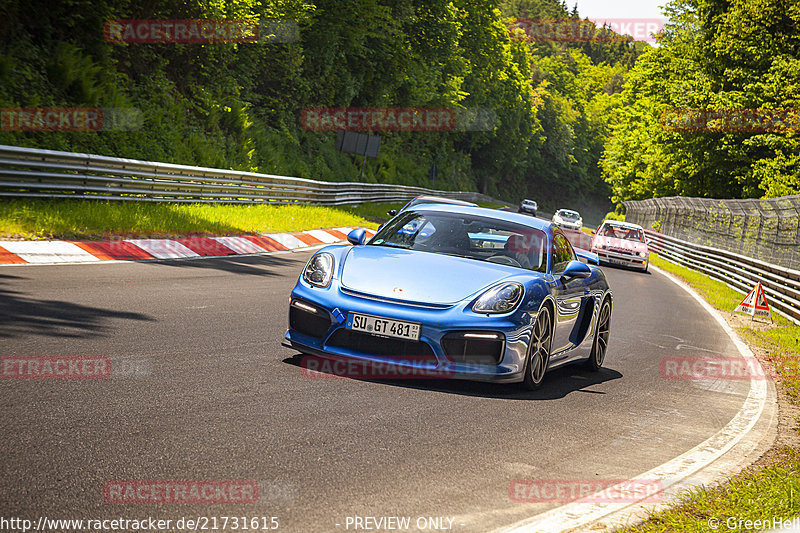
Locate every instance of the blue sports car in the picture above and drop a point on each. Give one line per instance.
(464, 292)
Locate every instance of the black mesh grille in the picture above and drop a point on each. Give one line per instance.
(387, 347)
(469, 350)
(308, 323)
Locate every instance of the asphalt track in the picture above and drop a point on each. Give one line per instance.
(216, 397)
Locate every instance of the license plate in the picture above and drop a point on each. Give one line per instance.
(619, 261)
(386, 327)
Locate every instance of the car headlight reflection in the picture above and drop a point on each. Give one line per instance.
(499, 299)
(319, 270)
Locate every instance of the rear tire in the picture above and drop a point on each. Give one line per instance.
(600, 343)
(539, 350)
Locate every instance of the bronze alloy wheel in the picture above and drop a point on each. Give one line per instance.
(600, 345)
(539, 349)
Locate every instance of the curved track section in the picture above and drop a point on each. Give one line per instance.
(213, 396)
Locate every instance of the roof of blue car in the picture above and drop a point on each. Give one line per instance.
(508, 216)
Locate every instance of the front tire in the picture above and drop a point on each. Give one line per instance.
(539, 350)
(600, 344)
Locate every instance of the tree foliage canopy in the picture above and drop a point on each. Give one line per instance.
(238, 105)
(721, 56)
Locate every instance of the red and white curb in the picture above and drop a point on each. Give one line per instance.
(61, 252)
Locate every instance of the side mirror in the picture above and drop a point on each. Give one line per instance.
(357, 237)
(392, 212)
(594, 232)
(586, 256)
(575, 270)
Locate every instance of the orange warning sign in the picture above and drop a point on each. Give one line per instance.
(755, 303)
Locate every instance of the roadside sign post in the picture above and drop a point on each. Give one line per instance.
(755, 303)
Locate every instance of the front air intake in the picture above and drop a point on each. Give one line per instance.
(477, 347)
(309, 319)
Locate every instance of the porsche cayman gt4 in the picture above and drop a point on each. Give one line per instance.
(465, 292)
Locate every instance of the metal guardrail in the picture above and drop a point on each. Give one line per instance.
(767, 229)
(30, 172)
(781, 285)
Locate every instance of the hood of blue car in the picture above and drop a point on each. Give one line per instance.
(420, 277)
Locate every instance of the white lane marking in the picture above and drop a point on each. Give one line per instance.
(323, 235)
(289, 241)
(163, 248)
(49, 252)
(240, 245)
(674, 474)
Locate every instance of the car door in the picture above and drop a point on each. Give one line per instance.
(569, 298)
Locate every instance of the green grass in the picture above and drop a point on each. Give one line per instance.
(91, 219)
(374, 212)
(783, 345)
(492, 205)
(88, 219)
(719, 295)
(771, 491)
(379, 212)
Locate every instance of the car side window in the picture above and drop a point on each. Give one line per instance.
(562, 253)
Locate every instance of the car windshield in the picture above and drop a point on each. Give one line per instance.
(621, 232)
(469, 236)
(570, 215)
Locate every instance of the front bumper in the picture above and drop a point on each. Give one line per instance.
(436, 323)
(628, 260)
(569, 225)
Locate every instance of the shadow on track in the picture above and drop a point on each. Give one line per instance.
(626, 269)
(20, 315)
(253, 265)
(557, 383)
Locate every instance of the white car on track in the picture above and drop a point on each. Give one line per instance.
(622, 244)
(568, 219)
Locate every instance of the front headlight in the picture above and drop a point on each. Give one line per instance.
(319, 270)
(642, 254)
(557, 219)
(499, 299)
(599, 245)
